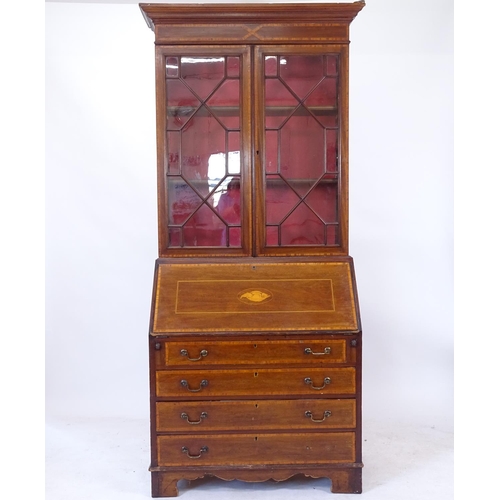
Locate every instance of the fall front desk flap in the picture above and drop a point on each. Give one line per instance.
(218, 297)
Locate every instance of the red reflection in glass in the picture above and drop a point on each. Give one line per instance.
(228, 202)
(271, 65)
(181, 104)
(301, 73)
(225, 104)
(323, 200)
(322, 102)
(173, 154)
(172, 67)
(203, 144)
(302, 149)
(331, 151)
(175, 237)
(280, 199)
(302, 227)
(204, 228)
(332, 235)
(271, 151)
(202, 74)
(331, 65)
(235, 236)
(233, 67)
(203, 151)
(272, 236)
(182, 200)
(280, 103)
(234, 156)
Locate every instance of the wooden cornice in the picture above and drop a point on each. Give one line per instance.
(171, 14)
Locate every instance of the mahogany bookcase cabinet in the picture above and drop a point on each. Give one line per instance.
(255, 333)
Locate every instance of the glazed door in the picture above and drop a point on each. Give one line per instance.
(204, 159)
(301, 111)
(227, 112)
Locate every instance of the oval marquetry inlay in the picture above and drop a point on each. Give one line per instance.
(255, 296)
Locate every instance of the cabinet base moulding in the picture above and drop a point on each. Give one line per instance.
(344, 480)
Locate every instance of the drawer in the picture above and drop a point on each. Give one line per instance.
(203, 416)
(195, 354)
(257, 382)
(252, 449)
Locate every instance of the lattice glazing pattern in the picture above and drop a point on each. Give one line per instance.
(203, 151)
(301, 150)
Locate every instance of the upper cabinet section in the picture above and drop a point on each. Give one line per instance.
(252, 128)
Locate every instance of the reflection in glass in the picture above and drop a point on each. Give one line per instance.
(203, 151)
(301, 149)
(302, 227)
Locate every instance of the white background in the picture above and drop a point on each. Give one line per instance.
(101, 224)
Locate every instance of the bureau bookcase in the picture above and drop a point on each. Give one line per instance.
(255, 332)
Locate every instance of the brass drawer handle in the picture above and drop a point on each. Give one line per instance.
(203, 353)
(309, 381)
(203, 415)
(326, 414)
(185, 450)
(327, 350)
(185, 384)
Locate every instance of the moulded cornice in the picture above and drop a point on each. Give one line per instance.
(164, 14)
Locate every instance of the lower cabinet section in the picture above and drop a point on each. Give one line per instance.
(250, 449)
(236, 415)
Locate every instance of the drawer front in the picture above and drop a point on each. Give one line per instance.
(196, 354)
(250, 449)
(257, 382)
(203, 416)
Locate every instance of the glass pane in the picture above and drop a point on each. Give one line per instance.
(225, 104)
(234, 157)
(172, 67)
(301, 73)
(204, 229)
(322, 102)
(271, 66)
(332, 160)
(332, 63)
(332, 235)
(233, 67)
(301, 149)
(272, 236)
(235, 236)
(181, 104)
(203, 151)
(323, 200)
(182, 201)
(280, 199)
(280, 103)
(271, 152)
(227, 200)
(175, 237)
(202, 74)
(302, 228)
(173, 152)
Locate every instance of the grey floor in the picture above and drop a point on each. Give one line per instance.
(107, 459)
